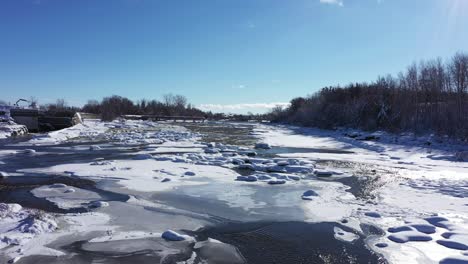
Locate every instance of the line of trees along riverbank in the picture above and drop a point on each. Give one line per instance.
(430, 97)
(114, 106)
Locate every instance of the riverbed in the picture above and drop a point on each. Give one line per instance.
(303, 196)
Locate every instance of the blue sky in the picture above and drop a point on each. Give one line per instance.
(228, 55)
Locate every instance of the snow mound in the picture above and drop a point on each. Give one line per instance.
(409, 236)
(309, 195)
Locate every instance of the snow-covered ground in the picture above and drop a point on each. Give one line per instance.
(420, 199)
(424, 210)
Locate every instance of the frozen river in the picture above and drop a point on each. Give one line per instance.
(106, 193)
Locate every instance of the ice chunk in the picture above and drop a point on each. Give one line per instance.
(172, 236)
(3, 174)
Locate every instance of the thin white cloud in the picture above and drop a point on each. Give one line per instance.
(240, 107)
(333, 2)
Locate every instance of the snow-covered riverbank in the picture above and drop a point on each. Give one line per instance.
(415, 192)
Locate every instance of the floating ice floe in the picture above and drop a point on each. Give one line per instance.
(3, 174)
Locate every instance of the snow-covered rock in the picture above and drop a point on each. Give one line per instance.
(172, 236)
(262, 146)
(408, 236)
(98, 204)
(323, 173)
(309, 195)
(276, 182)
(250, 178)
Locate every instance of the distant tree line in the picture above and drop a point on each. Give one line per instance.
(429, 97)
(114, 106)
